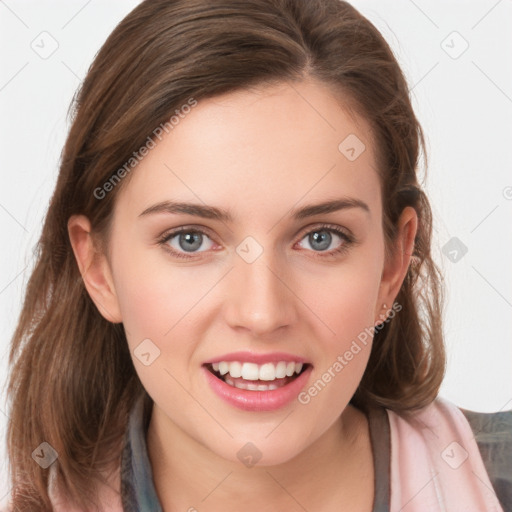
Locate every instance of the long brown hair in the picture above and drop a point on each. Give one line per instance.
(72, 381)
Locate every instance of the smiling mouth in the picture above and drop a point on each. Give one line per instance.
(254, 377)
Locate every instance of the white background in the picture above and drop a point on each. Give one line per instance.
(463, 103)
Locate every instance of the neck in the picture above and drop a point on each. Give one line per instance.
(336, 469)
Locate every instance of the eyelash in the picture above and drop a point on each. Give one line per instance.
(348, 240)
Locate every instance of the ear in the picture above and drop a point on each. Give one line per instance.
(397, 263)
(94, 268)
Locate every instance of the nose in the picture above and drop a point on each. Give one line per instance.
(259, 298)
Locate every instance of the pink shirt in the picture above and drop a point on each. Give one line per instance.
(427, 462)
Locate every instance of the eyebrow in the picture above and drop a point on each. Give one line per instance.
(211, 212)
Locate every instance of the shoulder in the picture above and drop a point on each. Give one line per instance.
(458, 441)
(494, 427)
(493, 435)
(490, 427)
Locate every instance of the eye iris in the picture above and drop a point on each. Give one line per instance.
(192, 241)
(322, 237)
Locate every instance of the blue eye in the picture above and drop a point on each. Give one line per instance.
(321, 239)
(184, 242)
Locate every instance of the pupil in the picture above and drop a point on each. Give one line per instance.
(323, 238)
(192, 241)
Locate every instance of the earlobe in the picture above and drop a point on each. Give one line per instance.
(395, 268)
(94, 268)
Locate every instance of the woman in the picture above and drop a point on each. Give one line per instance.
(234, 303)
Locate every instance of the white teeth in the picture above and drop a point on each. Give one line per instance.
(250, 371)
(235, 369)
(253, 371)
(281, 370)
(267, 371)
(223, 367)
(250, 386)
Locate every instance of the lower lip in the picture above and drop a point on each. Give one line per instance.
(258, 400)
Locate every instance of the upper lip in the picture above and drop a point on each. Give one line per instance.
(258, 358)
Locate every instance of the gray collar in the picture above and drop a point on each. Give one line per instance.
(139, 494)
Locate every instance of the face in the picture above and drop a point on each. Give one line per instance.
(252, 281)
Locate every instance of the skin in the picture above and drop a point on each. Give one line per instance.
(259, 154)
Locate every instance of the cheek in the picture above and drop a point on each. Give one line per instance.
(346, 304)
(142, 295)
(346, 298)
(155, 302)
(161, 302)
(153, 296)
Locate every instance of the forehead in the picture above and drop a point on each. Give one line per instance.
(263, 150)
